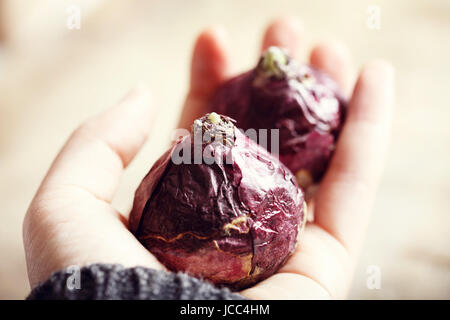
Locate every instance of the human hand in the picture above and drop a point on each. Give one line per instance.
(323, 264)
(71, 220)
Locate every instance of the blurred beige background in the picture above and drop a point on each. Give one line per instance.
(52, 78)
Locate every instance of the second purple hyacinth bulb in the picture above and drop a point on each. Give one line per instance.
(299, 100)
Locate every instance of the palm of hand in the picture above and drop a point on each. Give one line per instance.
(71, 220)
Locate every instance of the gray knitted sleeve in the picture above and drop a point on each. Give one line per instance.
(103, 281)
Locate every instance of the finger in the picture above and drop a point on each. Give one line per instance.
(287, 33)
(321, 258)
(97, 152)
(318, 268)
(347, 191)
(286, 286)
(209, 68)
(335, 59)
(66, 227)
